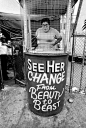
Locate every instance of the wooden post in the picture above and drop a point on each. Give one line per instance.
(63, 31)
(29, 30)
(68, 27)
(25, 28)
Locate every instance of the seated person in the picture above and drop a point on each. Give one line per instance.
(47, 37)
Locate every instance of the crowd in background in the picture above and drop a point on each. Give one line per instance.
(13, 61)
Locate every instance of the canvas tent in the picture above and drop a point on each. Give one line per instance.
(12, 24)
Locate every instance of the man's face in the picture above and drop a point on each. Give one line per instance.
(45, 26)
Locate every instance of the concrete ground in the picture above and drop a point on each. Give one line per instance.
(14, 111)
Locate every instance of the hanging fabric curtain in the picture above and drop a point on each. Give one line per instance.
(49, 7)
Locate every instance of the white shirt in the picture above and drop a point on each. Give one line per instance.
(46, 39)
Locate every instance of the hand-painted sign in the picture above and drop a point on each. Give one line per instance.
(46, 78)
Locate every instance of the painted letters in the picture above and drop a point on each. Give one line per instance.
(44, 94)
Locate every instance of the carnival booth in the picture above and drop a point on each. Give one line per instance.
(46, 69)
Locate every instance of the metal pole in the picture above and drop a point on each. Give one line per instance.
(72, 67)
